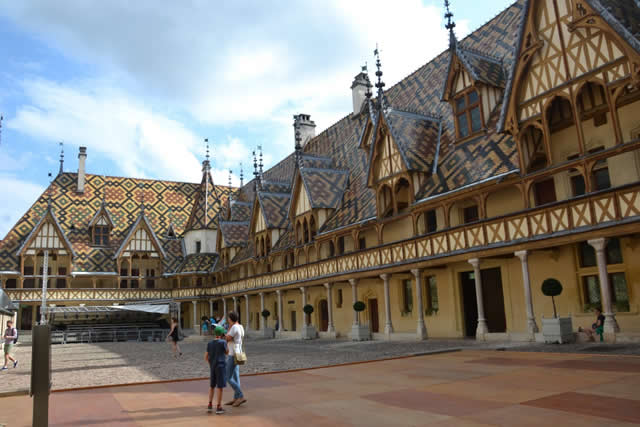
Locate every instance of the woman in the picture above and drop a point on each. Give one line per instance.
(234, 336)
(596, 328)
(174, 337)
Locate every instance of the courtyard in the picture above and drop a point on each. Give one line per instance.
(471, 387)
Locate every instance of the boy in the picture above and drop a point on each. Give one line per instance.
(10, 336)
(216, 355)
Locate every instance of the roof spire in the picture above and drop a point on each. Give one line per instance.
(256, 175)
(379, 83)
(230, 172)
(1, 119)
(241, 176)
(260, 149)
(450, 25)
(61, 156)
(206, 164)
(50, 175)
(365, 70)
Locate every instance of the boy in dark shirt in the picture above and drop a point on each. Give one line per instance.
(216, 357)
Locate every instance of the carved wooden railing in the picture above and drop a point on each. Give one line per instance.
(108, 295)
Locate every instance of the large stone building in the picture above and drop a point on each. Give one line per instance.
(442, 203)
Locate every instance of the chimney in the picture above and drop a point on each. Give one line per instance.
(306, 126)
(359, 89)
(82, 158)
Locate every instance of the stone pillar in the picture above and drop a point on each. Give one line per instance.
(262, 319)
(388, 326)
(303, 290)
(179, 314)
(421, 330)
(532, 327)
(610, 323)
(354, 295)
(247, 326)
(482, 328)
(195, 315)
(224, 308)
(235, 304)
(279, 295)
(330, 327)
(210, 308)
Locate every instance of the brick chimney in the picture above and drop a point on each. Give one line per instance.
(82, 158)
(306, 126)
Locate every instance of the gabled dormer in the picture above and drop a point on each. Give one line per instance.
(141, 241)
(269, 217)
(474, 86)
(101, 226)
(202, 229)
(46, 235)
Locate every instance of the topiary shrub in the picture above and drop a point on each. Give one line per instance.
(359, 306)
(265, 313)
(308, 309)
(552, 288)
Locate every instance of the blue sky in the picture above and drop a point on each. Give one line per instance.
(141, 84)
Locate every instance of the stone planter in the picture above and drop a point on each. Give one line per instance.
(557, 330)
(268, 332)
(360, 333)
(309, 332)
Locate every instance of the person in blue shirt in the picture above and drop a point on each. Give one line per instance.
(216, 357)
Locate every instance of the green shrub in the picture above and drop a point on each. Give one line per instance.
(552, 288)
(359, 306)
(308, 309)
(266, 313)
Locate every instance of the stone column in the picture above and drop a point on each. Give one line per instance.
(224, 308)
(262, 319)
(354, 294)
(195, 315)
(421, 330)
(246, 303)
(279, 295)
(235, 304)
(388, 326)
(482, 328)
(610, 323)
(210, 308)
(303, 290)
(179, 314)
(330, 327)
(532, 327)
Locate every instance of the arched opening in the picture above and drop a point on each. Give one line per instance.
(312, 254)
(258, 247)
(563, 133)
(299, 235)
(403, 195)
(533, 149)
(305, 230)
(464, 212)
(595, 117)
(332, 249)
(312, 227)
(504, 201)
(385, 202)
(430, 221)
(627, 106)
(302, 257)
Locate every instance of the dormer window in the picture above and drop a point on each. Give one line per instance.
(468, 114)
(101, 235)
(198, 246)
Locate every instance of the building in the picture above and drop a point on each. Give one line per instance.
(441, 203)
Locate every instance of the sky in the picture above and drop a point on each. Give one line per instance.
(141, 84)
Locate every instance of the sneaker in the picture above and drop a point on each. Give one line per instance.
(210, 407)
(4, 368)
(15, 363)
(219, 410)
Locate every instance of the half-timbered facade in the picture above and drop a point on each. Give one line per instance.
(442, 202)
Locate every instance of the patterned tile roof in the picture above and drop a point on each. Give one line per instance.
(165, 202)
(240, 211)
(417, 138)
(245, 253)
(483, 68)
(286, 240)
(325, 187)
(275, 207)
(234, 233)
(623, 16)
(206, 206)
(199, 263)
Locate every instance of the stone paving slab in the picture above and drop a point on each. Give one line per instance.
(405, 392)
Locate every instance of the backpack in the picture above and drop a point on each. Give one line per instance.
(15, 341)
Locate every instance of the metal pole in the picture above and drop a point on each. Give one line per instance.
(45, 279)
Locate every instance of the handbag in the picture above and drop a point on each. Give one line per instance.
(240, 357)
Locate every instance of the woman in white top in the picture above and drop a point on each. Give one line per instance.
(235, 336)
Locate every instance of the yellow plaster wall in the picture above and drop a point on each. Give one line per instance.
(504, 201)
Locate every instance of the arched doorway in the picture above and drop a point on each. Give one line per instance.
(324, 315)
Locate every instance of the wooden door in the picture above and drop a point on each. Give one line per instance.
(324, 315)
(293, 320)
(373, 315)
(26, 317)
(469, 303)
(493, 299)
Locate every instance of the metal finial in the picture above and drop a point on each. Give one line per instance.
(61, 156)
(206, 141)
(379, 83)
(241, 176)
(260, 149)
(450, 25)
(255, 164)
(230, 172)
(49, 196)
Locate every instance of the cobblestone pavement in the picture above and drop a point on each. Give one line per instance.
(84, 365)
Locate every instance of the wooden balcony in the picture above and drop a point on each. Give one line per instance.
(106, 295)
(604, 209)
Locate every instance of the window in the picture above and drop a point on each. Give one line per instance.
(199, 282)
(101, 235)
(578, 187)
(432, 295)
(60, 281)
(10, 284)
(332, 249)
(198, 246)
(544, 192)
(150, 283)
(407, 297)
(618, 289)
(339, 299)
(613, 253)
(340, 245)
(362, 243)
(468, 117)
(470, 214)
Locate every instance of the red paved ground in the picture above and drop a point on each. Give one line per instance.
(469, 388)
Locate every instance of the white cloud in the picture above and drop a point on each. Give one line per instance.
(17, 196)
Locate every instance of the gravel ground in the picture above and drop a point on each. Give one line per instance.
(82, 365)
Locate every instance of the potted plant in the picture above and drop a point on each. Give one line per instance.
(267, 331)
(555, 329)
(308, 330)
(360, 332)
